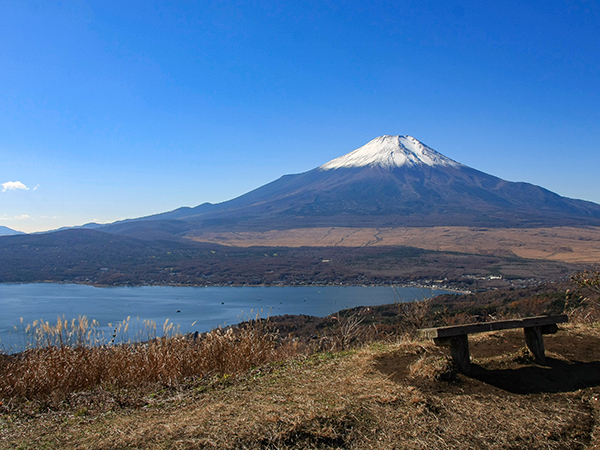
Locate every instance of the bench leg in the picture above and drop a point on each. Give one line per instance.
(535, 342)
(459, 349)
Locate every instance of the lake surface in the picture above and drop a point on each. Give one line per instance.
(191, 308)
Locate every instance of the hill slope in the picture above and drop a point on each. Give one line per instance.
(365, 399)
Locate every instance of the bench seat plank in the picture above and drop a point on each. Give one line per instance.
(457, 330)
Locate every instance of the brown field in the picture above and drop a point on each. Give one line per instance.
(566, 244)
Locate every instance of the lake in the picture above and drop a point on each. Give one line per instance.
(191, 308)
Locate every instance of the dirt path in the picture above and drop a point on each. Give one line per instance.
(565, 390)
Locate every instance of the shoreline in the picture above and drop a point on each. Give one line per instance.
(437, 287)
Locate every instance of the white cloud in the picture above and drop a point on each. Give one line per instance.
(21, 217)
(13, 186)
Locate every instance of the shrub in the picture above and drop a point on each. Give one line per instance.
(584, 307)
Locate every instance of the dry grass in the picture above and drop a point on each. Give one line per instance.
(568, 244)
(246, 388)
(434, 367)
(72, 356)
(327, 401)
(585, 306)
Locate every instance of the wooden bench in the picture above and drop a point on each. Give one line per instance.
(456, 337)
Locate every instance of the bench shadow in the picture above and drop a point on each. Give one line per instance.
(555, 376)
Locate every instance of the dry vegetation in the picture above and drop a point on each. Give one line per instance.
(69, 357)
(350, 387)
(568, 244)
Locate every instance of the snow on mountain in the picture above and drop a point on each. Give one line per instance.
(389, 152)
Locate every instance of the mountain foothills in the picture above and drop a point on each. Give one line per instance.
(393, 192)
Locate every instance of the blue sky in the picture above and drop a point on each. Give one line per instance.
(122, 109)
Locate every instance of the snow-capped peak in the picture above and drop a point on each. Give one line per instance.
(389, 152)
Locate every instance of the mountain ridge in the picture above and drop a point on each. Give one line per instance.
(6, 231)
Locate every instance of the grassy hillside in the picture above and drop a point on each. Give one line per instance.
(347, 382)
(380, 396)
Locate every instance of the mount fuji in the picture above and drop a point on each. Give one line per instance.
(392, 181)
